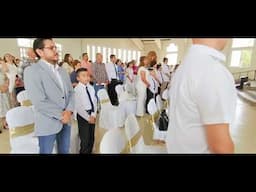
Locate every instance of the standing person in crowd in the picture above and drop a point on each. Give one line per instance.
(76, 65)
(4, 98)
(134, 67)
(203, 102)
(50, 91)
(159, 75)
(86, 64)
(152, 57)
(31, 58)
(67, 64)
(154, 82)
(142, 84)
(130, 79)
(113, 79)
(11, 73)
(99, 73)
(166, 74)
(86, 107)
(120, 70)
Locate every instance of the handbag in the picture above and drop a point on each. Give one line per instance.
(163, 121)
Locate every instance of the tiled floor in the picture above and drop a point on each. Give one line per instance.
(243, 132)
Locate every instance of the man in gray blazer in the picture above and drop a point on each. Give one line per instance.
(50, 91)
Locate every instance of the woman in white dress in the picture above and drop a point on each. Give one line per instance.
(4, 99)
(11, 74)
(142, 84)
(67, 64)
(130, 79)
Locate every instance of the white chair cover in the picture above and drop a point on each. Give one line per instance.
(110, 116)
(132, 131)
(165, 94)
(21, 140)
(159, 102)
(152, 109)
(113, 141)
(23, 98)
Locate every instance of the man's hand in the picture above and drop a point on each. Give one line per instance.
(66, 117)
(92, 120)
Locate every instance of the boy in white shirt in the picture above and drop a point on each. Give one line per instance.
(86, 107)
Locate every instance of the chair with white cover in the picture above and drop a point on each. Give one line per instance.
(165, 94)
(120, 93)
(135, 138)
(159, 103)
(21, 128)
(165, 97)
(113, 141)
(23, 98)
(153, 111)
(109, 117)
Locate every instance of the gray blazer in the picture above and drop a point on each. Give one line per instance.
(47, 97)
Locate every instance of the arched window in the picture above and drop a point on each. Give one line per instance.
(241, 52)
(172, 54)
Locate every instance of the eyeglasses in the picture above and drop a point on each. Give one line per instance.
(51, 48)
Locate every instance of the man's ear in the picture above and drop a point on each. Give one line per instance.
(39, 52)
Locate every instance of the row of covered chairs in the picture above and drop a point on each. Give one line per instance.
(115, 141)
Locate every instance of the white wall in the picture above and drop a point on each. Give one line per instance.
(9, 45)
(119, 43)
(184, 44)
(70, 45)
(161, 53)
(73, 46)
(76, 46)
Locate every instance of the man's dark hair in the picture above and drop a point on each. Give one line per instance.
(84, 54)
(165, 59)
(39, 44)
(78, 71)
(158, 66)
(112, 56)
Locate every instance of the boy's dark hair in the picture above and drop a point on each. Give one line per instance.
(80, 70)
(165, 59)
(112, 56)
(39, 44)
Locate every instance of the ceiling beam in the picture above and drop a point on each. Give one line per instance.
(158, 43)
(138, 43)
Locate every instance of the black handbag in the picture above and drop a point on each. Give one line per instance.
(163, 121)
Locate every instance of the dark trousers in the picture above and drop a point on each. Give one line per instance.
(19, 89)
(86, 134)
(150, 95)
(112, 92)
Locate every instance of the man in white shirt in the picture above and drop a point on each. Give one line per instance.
(202, 101)
(86, 107)
(166, 75)
(111, 69)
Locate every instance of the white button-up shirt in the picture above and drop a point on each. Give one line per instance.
(82, 102)
(165, 71)
(202, 93)
(55, 70)
(111, 69)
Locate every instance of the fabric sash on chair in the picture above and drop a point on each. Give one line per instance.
(148, 131)
(132, 142)
(26, 103)
(104, 101)
(165, 105)
(21, 131)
